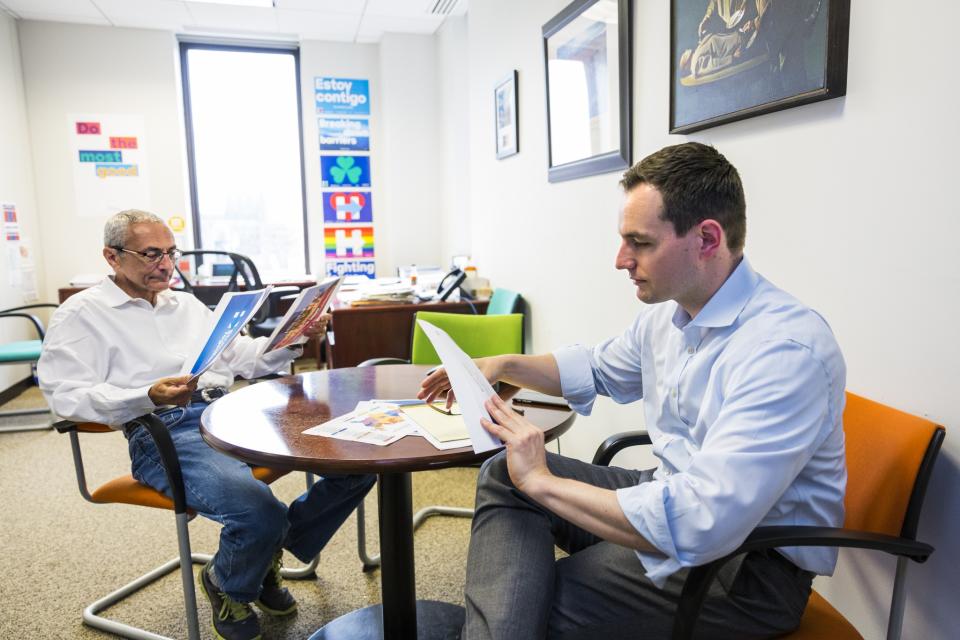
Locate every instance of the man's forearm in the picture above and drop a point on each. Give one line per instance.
(539, 372)
(592, 508)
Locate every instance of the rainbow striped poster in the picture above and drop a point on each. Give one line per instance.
(348, 242)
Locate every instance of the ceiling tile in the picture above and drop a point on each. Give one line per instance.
(147, 14)
(399, 7)
(78, 8)
(401, 24)
(223, 18)
(56, 17)
(326, 6)
(312, 25)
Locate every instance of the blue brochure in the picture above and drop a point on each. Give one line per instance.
(231, 315)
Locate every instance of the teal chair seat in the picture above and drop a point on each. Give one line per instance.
(23, 351)
(504, 301)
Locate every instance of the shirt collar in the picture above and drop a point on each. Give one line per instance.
(116, 297)
(726, 304)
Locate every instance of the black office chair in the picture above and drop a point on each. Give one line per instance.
(243, 276)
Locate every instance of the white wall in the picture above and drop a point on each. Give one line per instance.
(408, 213)
(851, 207)
(71, 69)
(453, 85)
(16, 187)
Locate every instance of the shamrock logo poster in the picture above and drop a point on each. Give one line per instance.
(345, 171)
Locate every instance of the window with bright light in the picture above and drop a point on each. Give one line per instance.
(246, 158)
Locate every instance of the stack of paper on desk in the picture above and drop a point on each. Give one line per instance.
(441, 430)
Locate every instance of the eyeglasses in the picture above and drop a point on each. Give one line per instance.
(442, 408)
(154, 256)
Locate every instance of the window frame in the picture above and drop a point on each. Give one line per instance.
(185, 47)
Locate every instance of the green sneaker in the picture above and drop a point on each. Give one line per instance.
(274, 597)
(232, 620)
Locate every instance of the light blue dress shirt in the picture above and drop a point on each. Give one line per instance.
(743, 404)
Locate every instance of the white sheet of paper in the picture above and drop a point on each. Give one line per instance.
(469, 385)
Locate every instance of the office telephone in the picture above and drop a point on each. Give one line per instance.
(449, 283)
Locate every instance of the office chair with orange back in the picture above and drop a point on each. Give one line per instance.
(890, 456)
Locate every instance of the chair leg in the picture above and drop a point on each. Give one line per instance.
(307, 571)
(898, 601)
(372, 562)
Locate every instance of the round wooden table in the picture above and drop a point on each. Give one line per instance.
(263, 424)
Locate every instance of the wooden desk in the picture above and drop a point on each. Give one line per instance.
(263, 424)
(361, 333)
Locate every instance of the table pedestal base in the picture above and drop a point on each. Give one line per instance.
(435, 621)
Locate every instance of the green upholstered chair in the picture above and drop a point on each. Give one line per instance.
(478, 336)
(24, 352)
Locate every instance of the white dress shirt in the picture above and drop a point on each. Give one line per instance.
(743, 404)
(104, 350)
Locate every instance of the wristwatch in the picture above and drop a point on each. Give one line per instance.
(210, 394)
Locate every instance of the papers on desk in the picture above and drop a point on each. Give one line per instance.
(443, 431)
(382, 422)
(383, 291)
(371, 422)
(469, 385)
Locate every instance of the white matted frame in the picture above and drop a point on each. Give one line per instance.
(507, 116)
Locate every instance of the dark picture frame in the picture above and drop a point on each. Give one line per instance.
(506, 112)
(736, 61)
(589, 94)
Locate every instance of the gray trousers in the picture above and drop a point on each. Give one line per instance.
(517, 590)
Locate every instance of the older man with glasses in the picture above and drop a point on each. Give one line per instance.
(113, 352)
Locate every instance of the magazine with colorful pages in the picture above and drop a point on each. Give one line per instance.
(233, 312)
(303, 313)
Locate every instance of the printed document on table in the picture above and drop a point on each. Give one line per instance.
(376, 423)
(441, 430)
(469, 385)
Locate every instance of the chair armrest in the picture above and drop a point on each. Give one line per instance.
(700, 578)
(618, 442)
(373, 362)
(32, 318)
(168, 457)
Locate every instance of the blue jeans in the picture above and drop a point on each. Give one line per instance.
(255, 523)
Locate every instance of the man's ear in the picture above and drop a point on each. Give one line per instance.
(711, 237)
(110, 255)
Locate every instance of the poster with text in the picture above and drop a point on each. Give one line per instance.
(109, 164)
(344, 134)
(345, 171)
(342, 96)
(347, 206)
(352, 268)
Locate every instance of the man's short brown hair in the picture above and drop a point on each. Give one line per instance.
(696, 183)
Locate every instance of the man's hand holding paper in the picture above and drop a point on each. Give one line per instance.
(469, 384)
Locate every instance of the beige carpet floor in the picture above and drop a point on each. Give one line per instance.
(59, 553)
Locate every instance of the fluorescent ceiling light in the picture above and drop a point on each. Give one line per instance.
(246, 3)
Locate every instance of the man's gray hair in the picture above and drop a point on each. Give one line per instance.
(115, 230)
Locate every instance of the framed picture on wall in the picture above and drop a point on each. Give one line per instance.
(586, 50)
(735, 59)
(506, 111)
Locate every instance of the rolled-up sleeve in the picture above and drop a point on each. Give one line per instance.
(611, 368)
(776, 403)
